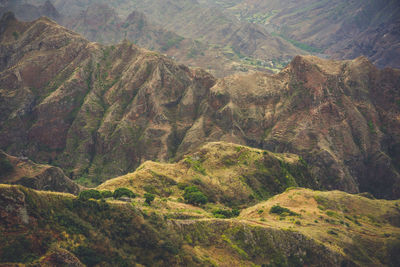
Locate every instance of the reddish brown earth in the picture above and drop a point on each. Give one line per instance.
(98, 112)
(36, 176)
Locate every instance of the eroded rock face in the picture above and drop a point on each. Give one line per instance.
(14, 210)
(22, 171)
(340, 116)
(98, 112)
(27, 11)
(92, 110)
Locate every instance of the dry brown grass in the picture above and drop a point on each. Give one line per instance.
(221, 168)
(348, 215)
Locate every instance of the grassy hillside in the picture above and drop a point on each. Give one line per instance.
(361, 227)
(52, 228)
(227, 173)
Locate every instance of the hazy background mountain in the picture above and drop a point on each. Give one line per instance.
(342, 29)
(244, 35)
(191, 33)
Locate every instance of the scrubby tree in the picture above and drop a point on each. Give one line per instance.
(226, 213)
(193, 195)
(106, 194)
(149, 197)
(122, 191)
(91, 193)
(282, 211)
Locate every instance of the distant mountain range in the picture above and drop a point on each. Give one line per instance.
(81, 105)
(342, 29)
(242, 35)
(115, 155)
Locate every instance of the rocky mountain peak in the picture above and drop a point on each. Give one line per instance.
(136, 16)
(49, 10)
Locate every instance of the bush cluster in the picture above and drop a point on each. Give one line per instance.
(95, 194)
(282, 211)
(193, 195)
(149, 197)
(225, 213)
(91, 193)
(106, 193)
(122, 191)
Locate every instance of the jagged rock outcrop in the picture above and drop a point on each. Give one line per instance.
(381, 44)
(340, 116)
(102, 22)
(28, 11)
(20, 170)
(91, 109)
(98, 112)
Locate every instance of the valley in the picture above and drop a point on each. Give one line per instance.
(199, 133)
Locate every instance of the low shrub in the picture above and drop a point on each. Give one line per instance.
(91, 193)
(225, 213)
(106, 194)
(149, 198)
(332, 232)
(122, 191)
(88, 256)
(282, 211)
(20, 250)
(196, 165)
(193, 195)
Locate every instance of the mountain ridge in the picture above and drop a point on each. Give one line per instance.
(184, 169)
(68, 230)
(108, 102)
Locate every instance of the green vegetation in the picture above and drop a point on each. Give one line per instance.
(15, 35)
(196, 165)
(172, 41)
(89, 256)
(106, 193)
(112, 233)
(88, 194)
(298, 44)
(332, 232)
(194, 52)
(122, 191)
(261, 18)
(276, 209)
(323, 202)
(225, 213)
(85, 181)
(149, 198)
(5, 166)
(371, 127)
(193, 195)
(235, 247)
